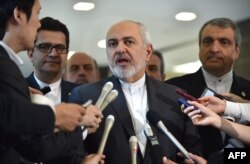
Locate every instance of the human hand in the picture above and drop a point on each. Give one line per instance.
(165, 160)
(34, 91)
(94, 159)
(202, 115)
(214, 103)
(194, 159)
(92, 118)
(68, 116)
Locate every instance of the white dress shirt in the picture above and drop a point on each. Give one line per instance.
(136, 98)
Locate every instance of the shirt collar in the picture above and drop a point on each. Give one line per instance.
(133, 87)
(225, 78)
(52, 85)
(13, 56)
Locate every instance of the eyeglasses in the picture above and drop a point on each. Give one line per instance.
(47, 48)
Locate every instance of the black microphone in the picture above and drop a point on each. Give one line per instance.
(154, 119)
(157, 151)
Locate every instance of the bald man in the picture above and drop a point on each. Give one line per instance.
(81, 69)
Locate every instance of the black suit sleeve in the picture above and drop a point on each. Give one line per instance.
(22, 117)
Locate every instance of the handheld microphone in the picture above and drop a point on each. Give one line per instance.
(109, 98)
(45, 90)
(154, 119)
(157, 151)
(108, 125)
(133, 148)
(105, 90)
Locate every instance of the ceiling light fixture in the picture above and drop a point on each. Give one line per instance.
(102, 43)
(84, 6)
(185, 16)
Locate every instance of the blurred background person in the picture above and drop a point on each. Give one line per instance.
(82, 68)
(156, 66)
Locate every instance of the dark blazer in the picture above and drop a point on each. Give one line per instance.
(161, 98)
(66, 86)
(61, 144)
(195, 84)
(13, 86)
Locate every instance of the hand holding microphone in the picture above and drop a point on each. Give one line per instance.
(108, 125)
(154, 119)
(133, 148)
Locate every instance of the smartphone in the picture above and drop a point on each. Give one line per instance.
(186, 95)
(183, 101)
(210, 92)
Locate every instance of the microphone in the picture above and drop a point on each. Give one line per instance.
(154, 119)
(109, 98)
(105, 90)
(133, 148)
(157, 151)
(108, 125)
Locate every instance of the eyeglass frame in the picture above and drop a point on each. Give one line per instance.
(52, 46)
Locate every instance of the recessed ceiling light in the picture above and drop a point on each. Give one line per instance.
(102, 43)
(185, 16)
(84, 6)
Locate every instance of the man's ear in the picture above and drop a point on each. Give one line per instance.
(19, 16)
(30, 53)
(149, 51)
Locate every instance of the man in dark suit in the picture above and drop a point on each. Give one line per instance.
(18, 26)
(219, 41)
(128, 50)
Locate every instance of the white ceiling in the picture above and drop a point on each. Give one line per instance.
(88, 27)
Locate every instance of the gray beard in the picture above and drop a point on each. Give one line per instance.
(122, 73)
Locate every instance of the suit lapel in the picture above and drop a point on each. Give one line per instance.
(32, 81)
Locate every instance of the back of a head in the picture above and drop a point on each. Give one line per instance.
(7, 9)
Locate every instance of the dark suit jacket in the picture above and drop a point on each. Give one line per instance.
(161, 98)
(195, 84)
(35, 148)
(66, 87)
(22, 123)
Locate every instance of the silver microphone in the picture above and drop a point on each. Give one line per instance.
(109, 98)
(154, 118)
(105, 90)
(108, 125)
(133, 148)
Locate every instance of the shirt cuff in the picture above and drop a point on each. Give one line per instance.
(232, 110)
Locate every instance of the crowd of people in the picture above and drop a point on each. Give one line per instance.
(71, 129)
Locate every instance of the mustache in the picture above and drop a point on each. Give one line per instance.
(214, 55)
(120, 56)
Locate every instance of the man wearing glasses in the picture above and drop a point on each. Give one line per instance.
(49, 56)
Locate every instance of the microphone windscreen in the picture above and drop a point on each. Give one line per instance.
(153, 117)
